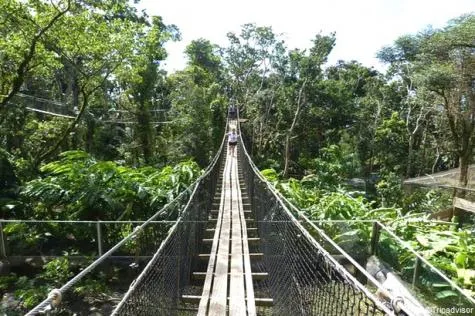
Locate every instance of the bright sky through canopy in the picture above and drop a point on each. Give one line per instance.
(362, 26)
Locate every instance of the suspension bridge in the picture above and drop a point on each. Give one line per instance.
(238, 249)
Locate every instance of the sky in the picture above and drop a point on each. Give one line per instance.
(362, 27)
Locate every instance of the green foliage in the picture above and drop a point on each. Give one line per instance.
(426, 201)
(328, 169)
(91, 288)
(197, 111)
(28, 292)
(9, 185)
(79, 187)
(8, 178)
(101, 61)
(389, 189)
(339, 205)
(40, 134)
(436, 66)
(447, 248)
(270, 175)
(57, 271)
(391, 141)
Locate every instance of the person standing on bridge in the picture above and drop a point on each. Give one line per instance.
(232, 112)
(232, 141)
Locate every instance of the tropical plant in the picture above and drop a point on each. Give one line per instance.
(79, 187)
(446, 247)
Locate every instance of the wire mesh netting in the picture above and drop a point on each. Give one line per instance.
(298, 275)
(303, 278)
(441, 201)
(158, 288)
(121, 263)
(425, 286)
(448, 178)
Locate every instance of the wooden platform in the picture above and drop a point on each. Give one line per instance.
(228, 287)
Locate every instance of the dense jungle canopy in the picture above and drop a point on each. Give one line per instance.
(92, 127)
(98, 63)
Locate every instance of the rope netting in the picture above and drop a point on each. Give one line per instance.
(158, 288)
(448, 178)
(303, 278)
(170, 265)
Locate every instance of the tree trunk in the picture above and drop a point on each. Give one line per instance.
(23, 67)
(465, 157)
(145, 132)
(464, 164)
(91, 125)
(422, 114)
(66, 133)
(410, 155)
(437, 157)
(291, 129)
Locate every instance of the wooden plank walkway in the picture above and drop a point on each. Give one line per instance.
(228, 287)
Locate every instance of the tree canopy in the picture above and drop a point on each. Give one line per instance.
(93, 127)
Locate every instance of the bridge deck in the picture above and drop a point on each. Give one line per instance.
(228, 284)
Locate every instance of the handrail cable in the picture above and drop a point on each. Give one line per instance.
(301, 215)
(281, 199)
(170, 235)
(73, 117)
(46, 303)
(389, 231)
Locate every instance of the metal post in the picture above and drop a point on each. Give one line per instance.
(99, 238)
(3, 252)
(375, 238)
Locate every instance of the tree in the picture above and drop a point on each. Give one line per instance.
(356, 100)
(100, 45)
(308, 76)
(24, 27)
(202, 53)
(197, 104)
(391, 143)
(142, 81)
(249, 58)
(444, 64)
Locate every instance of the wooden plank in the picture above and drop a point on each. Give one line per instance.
(215, 212)
(203, 307)
(251, 307)
(237, 302)
(255, 275)
(249, 240)
(446, 214)
(215, 220)
(229, 260)
(206, 256)
(465, 205)
(218, 300)
(259, 301)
